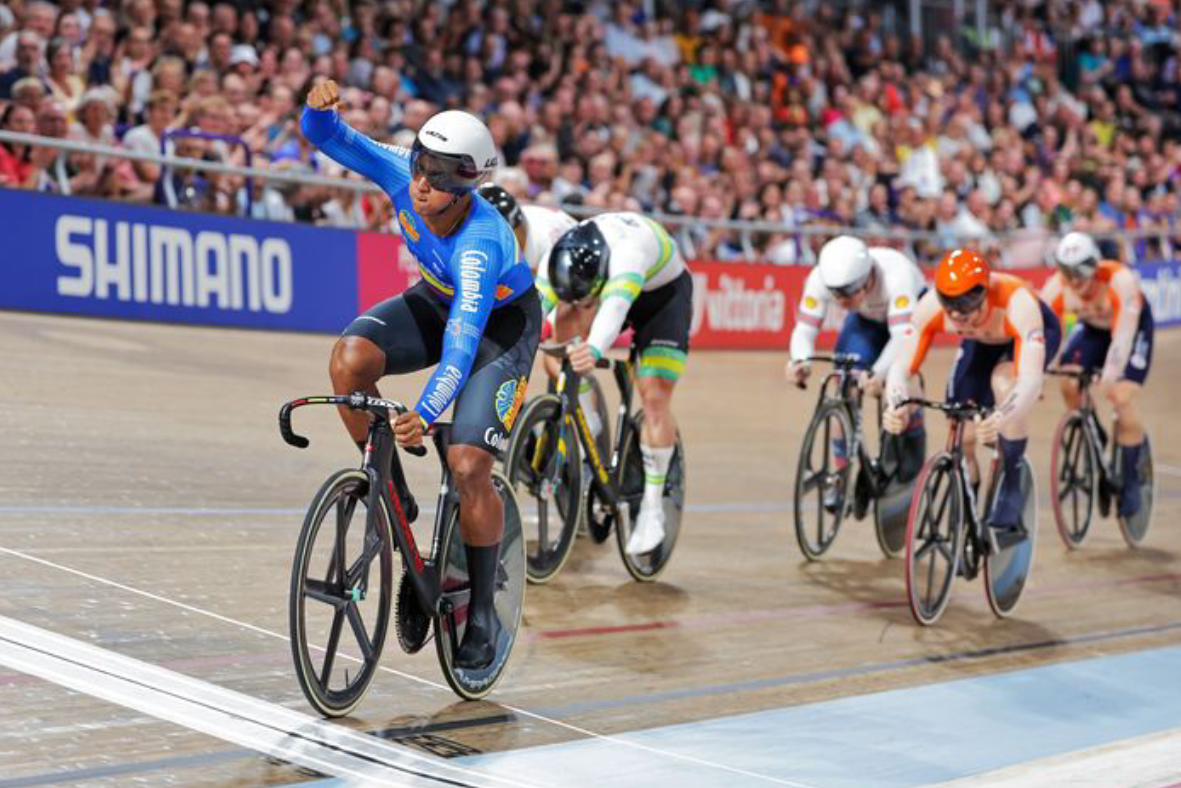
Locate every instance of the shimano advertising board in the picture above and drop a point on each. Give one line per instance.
(108, 259)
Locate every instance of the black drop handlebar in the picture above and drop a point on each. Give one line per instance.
(954, 410)
(561, 350)
(1085, 377)
(358, 400)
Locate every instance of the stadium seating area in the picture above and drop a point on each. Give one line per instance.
(1064, 113)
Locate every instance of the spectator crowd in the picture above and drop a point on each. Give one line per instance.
(1051, 114)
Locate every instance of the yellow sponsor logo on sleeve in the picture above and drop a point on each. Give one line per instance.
(809, 302)
(901, 302)
(408, 226)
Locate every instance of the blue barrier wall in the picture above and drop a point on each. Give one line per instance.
(91, 257)
(108, 259)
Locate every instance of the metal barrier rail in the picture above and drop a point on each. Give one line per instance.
(1001, 240)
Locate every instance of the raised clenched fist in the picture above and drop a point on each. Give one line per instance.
(324, 96)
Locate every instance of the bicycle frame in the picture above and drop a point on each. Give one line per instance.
(849, 394)
(958, 415)
(1086, 407)
(391, 492)
(605, 474)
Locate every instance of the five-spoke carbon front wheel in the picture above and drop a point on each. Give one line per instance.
(341, 590)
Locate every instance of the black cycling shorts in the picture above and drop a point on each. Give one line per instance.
(661, 319)
(409, 329)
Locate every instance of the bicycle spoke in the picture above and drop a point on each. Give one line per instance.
(319, 590)
(811, 482)
(543, 524)
(330, 648)
(358, 626)
(344, 516)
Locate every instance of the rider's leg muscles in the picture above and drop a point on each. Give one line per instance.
(1013, 439)
(658, 438)
(483, 419)
(481, 523)
(356, 364)
(1129, 436)
(1070, 392)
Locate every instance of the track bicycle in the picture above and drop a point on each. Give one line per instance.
(839, 413)
(947, 531)
(1080, 478)
(343, 575)
(544, 460)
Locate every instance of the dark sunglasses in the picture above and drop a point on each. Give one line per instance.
(964, 304)
(444, 173)
(849, 290)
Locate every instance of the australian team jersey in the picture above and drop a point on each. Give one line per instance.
(474, 269)
(644, 257)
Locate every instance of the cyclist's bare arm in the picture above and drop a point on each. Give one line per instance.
(1125, 317)
(913, 341)
(1023, 322)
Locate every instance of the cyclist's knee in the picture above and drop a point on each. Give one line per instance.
(471, 467)
(356, 361)
(1122, 395)
(656, 394)
(1003, 380)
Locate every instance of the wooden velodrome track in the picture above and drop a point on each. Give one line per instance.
(148, 507)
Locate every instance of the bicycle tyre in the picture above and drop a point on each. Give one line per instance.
(317, 681)
(555, 489)
(1135, 528)
(647, 567)
(808, 478)
(1073, 473)
(509, 600)
(926, 536)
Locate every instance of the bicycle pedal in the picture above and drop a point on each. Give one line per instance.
(410, 623)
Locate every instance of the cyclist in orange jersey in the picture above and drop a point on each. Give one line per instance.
(1009, 334)
(1114, 333)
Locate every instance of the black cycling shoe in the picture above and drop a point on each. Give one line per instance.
(478, 648)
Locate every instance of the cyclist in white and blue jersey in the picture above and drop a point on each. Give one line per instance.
(475, 314)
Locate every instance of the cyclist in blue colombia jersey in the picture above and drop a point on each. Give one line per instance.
(475, 314)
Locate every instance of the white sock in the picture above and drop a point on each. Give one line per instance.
(655, 470)
(586, 399)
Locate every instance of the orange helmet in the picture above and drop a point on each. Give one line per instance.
(961, 281)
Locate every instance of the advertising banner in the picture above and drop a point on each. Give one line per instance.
(1162, 287)
(89, 257)
(752, 306)
(107, 259)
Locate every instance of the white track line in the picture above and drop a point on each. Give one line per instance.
(1144, 762)
(522, 712)
(265, 727)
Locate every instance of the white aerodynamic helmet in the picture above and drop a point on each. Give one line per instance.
(455, 151)
(845, 265)
(1077, 255)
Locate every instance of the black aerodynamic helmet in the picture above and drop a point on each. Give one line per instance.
(578, 262)
(502, 201)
